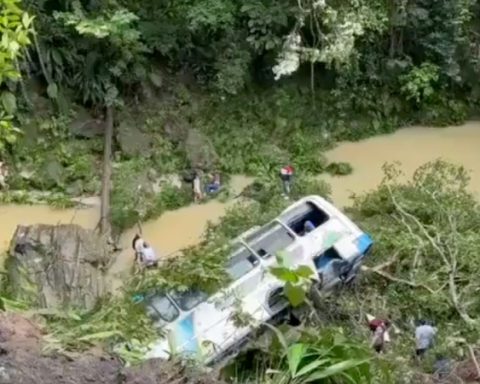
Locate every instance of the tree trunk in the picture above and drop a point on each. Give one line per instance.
(107, 170)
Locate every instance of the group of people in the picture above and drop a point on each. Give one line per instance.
(424, 335)
(213, 185)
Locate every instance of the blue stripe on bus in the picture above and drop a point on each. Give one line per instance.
(186, 337)
(364, 242)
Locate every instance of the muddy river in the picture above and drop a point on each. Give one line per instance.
(411, 146)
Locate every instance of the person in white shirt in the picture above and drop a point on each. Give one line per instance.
(3, 175)
(148, 257)
(197, 187)
(424, 335)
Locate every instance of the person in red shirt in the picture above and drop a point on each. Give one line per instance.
(286, 174)
(379, 329)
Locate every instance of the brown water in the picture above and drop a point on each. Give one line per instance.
(169, 233)
(412, 147)
(183, 227)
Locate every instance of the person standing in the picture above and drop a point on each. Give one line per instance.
(424, 336)
(148, 256)
(138, 246)
(197, 187)
(380, 334)
(286, 175)
(3, 175)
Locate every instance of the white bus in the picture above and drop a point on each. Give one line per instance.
(202, 327)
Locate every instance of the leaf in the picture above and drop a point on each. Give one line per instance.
(284, 274)
(295, 294)
(335, 369)
(311, 367)
(9, 102)
(295, 354)
(279, 335)
(52, 90)
(304, 271)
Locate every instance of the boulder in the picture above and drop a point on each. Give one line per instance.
(200, 150)
(132, 141)
(175, 130)
(85, 126)
(56, 266)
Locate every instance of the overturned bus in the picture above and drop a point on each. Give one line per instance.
(202, 327)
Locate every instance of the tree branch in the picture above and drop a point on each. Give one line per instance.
(388, 276)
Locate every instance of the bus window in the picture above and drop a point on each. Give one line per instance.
(305, 218)
(270, 239)
(241, 263)
(189, 299)
(161, 306)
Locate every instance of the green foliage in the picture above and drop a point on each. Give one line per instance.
(116, 320)
(297, 280)
(419, 83)
(15, 29)
(425, 228)
(133, 199)
(340, 169)
(307, 356)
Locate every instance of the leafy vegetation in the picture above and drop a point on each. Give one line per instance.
(425, 232)
(265, 83)
(350, 70)
(15, 28)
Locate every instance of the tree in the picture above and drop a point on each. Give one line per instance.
(117, 42)
(15, 29)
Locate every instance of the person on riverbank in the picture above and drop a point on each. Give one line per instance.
(214, 185)
(138, 245)
(286, 175)
(148, 258)
(3, 175)
(197, 187)
(424, 336)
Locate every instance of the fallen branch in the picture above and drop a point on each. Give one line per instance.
(451, 264)
(388, 276)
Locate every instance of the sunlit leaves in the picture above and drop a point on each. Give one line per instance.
(15, 28)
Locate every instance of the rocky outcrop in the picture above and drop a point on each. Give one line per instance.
(85, 126)
(200, 150)
(132, 140)
(57, 266)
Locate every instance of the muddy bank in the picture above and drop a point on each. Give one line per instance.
(22, 362)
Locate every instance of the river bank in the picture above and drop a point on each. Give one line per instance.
(181, 228)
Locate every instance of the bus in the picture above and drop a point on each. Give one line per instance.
(309, 232)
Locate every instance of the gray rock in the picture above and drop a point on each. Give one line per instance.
(200, 150)
(85, 126)
(175, 130)
(57, 266)
(132, 141)
(53, 172)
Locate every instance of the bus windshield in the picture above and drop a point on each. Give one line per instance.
(189, 299)
(160, 306)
